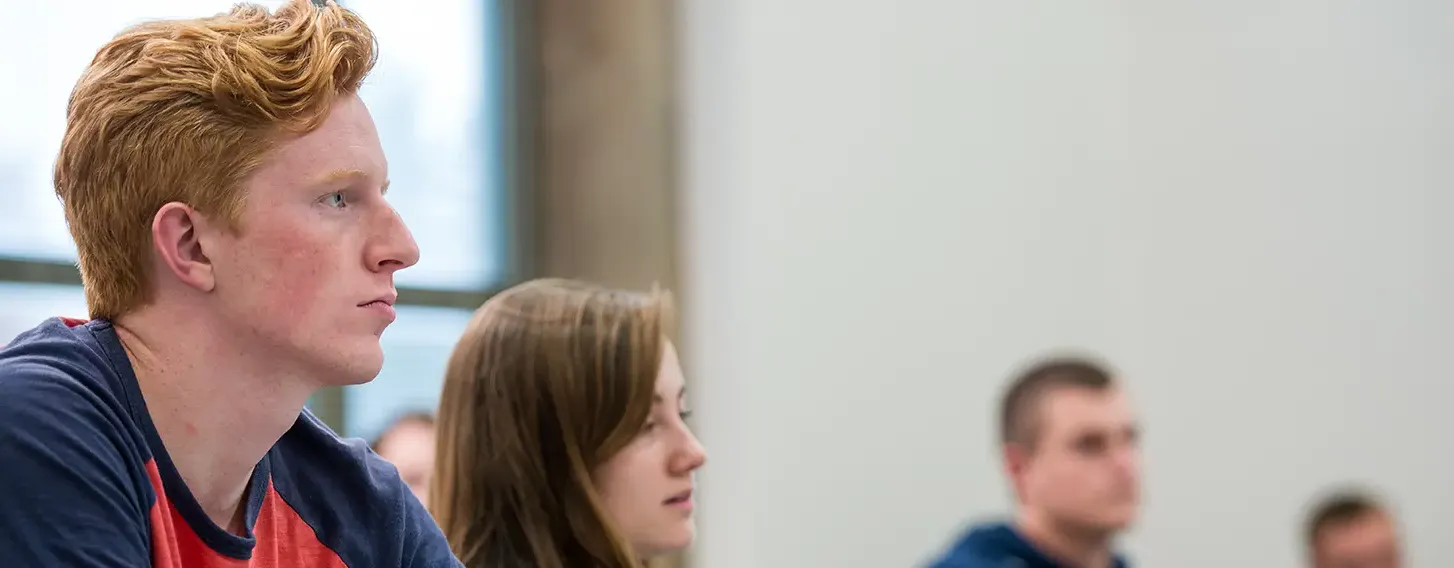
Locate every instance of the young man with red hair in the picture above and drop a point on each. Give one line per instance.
(225, 188)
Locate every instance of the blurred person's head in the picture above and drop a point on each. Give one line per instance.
(1352, 529)
(562, 433)
(408, 443)
(1070, 446)
(222, 173)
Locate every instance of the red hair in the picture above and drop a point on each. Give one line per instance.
(185, 111)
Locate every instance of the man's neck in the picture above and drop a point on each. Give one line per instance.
(217, 405)
(1079, 549)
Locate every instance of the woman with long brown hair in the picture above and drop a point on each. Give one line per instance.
(562, 440)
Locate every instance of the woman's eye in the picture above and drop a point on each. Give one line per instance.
(335, 200)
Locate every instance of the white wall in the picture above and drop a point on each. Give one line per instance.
(889, 205)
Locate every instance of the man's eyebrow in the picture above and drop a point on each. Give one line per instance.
(345, 173)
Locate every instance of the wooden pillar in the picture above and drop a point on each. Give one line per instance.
(603, 148)
(602, 144)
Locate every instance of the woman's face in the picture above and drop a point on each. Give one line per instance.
(647, 486)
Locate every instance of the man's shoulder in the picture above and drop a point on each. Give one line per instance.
(68, 437)
(353, 499)
(61, 371)
(311, 448)
(968, 558)
(58, 350)
(989, 544)
(995, 544)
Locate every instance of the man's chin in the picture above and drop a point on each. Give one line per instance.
(360, 366)
(1120, 521)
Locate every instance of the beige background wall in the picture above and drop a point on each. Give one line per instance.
(888, 205)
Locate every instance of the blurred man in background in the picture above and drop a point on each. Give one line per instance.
(1350, 529)
(408, 443)
(1069, 441)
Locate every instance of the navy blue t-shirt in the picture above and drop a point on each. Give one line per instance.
(90, 485)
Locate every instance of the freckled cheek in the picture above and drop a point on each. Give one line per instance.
(291, 275)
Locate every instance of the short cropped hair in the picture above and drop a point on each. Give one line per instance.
(185, 111)
(1339, 508)
(1019, 409)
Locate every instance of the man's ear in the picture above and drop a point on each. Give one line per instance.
(176, 234)
(1017, 460)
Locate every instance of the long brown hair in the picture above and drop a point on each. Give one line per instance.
(551, 378)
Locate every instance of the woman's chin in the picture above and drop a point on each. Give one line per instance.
(670, 541)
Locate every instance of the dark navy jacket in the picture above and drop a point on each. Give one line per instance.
(998, 545)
